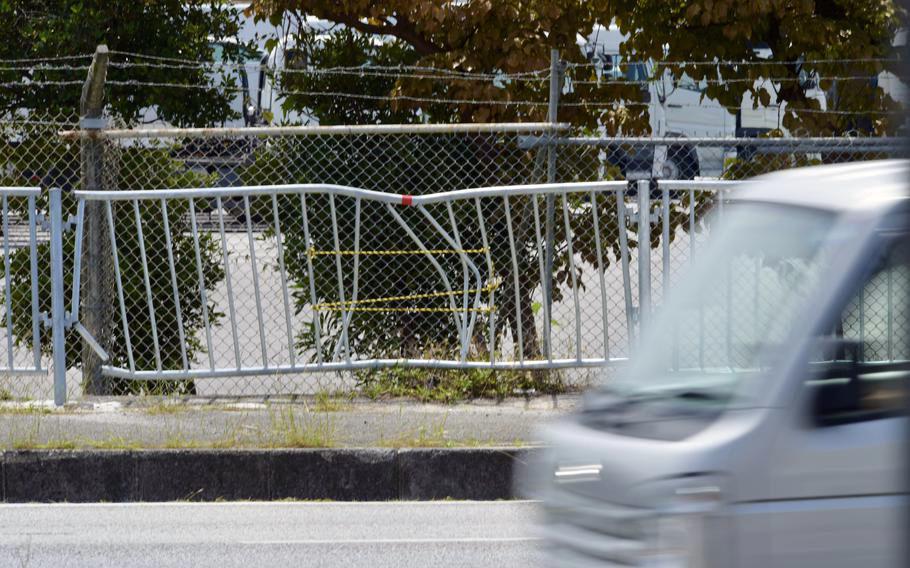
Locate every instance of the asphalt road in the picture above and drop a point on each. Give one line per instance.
(284, 534)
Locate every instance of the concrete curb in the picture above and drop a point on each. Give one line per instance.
(367, 474)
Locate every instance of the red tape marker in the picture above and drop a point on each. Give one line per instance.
(406, 199)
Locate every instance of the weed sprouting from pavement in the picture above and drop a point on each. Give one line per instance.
(288, 431)
(325, 401)
(113, 443)
(53, 444)
(25, 410)
(177, 441)
(433, 436)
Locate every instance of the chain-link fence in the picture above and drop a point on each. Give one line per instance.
(231, 289)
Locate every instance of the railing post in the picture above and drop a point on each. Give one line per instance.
(644, 254)
(58, 305)
(96, 303)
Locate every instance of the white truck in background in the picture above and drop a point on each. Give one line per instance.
(679, 110)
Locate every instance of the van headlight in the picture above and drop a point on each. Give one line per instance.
(684, 527)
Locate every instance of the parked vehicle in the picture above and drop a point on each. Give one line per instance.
(678, 110)
(761, 420)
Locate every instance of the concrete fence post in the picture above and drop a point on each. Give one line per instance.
(97, 268)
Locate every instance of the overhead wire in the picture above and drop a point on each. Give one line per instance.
(41, 83)
(44, 67)
(54, 58)
(479, 102)
(420, 72)
(407, 70)
(747, 62)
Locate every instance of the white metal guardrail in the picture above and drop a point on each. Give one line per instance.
(331, 278)
(473, 246)
(21, 287)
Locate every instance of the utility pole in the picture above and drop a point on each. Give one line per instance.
(96, 266)
(555, 83)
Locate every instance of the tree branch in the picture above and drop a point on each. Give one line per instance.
(402, 29)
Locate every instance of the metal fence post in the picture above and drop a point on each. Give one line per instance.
(58, 305)
(96, 304)
(550, 200)
(644, 254)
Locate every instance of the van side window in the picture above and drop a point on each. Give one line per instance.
(860, 370)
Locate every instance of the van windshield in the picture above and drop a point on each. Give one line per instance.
(724, 322)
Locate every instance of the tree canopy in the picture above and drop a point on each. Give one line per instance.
(35, 32)
(514, 37)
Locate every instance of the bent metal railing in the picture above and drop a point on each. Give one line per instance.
(273, 280)
(479, 256)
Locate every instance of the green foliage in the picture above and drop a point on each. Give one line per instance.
(436, 385)
(157, 169)
(169, 28)
(512, 37)
(347, 48)
(475, 36)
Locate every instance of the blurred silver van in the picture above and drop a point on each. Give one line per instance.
(761, 421)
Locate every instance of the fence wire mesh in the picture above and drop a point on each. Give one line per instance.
(244, 283)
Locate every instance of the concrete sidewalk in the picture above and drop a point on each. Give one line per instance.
(123, 450)
(151, 423)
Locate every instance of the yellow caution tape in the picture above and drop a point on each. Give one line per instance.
(388, 309)
(357, 305)
(350, 303)
(313, 253)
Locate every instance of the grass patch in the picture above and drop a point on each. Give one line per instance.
(288, 431)
(447, 386)
(5, 394)
(180, 442)
(56, 444)
(113, 443)
(324, 401)
(25, 410)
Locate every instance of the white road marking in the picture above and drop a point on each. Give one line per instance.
(477, 540)
(198, 504)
